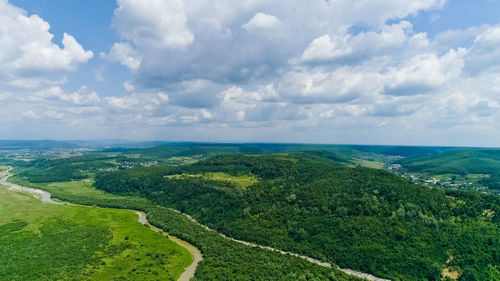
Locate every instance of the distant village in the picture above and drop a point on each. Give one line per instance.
(449, 181)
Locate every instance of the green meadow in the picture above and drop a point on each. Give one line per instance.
(40, 241)
(242, 181)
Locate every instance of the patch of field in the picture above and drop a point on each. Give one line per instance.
(477, 176)
(279, 156)
(370, 164)
(450, 272)
(3, 169)
(488, 213)
(242, 181)
(67, 190)
(133, 156)
(184, 160)
(41, 241)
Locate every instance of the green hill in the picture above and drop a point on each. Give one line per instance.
(364, 219)
(471, 161)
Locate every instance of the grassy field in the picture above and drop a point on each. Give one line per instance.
(41, 241)
(369, 164)
(183, 160)
(80, 191)
(242, 181)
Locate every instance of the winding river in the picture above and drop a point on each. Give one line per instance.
(45, 197)
(189, 271)
(197, 257)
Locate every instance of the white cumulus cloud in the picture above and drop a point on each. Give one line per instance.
(124, 54)
(156, 23)
(261, 21)
(122, 103)
(27, 47)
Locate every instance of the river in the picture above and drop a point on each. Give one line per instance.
(189, 271)
(45, 197)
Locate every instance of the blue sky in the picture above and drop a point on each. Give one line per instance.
(370, 72)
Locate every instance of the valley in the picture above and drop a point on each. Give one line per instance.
(316, 207)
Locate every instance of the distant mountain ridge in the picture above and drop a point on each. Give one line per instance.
(36, 145)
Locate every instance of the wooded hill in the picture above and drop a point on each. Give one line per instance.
(364, 219)
(470, 161)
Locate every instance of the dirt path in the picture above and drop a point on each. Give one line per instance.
(45, 197)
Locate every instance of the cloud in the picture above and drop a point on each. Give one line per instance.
(44, 56)
(330, 71)
(30, 115)
(322, 48)
(81, 97)
(458, 37)
(484, 55)
(346, 48)
(153, 23)
(33, 83)
(163, 97)
(33, 68)
(122, 103)
(320, 85)
(237, 101)
(124, 54)
(52, 114)
(231, 42)
(424, 73)
(27, 47)
(128, 86)
(261, 21)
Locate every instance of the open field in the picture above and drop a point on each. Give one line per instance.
(41, 241)
(81, 192)
(242, 181)
(369, 164)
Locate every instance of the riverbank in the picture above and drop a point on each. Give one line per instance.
(45, 197)
(197, 256)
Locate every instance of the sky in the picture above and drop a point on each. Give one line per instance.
(406, 72)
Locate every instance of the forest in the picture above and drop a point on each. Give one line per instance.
(359, 218)
(303, 199)
(222, 259)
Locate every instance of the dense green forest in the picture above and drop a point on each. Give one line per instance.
(313, 200)
(358, 218)
(222, 259)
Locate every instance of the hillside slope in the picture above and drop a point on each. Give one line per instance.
(359, 218)
(470, 161)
